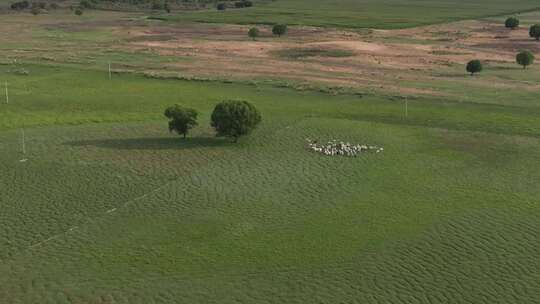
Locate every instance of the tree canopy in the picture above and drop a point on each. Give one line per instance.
(534, 31)
(512, 23)
(234, 118)
(253, 33)
(279, 29)
(474, 66)
(181, 119)
(525, 58)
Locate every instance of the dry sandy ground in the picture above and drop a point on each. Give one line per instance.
(386, 60)
(379, 58)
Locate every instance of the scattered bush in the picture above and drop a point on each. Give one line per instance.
(86, 4)
(253, 33)
(279, 29)
(474, 66)
(512, 23)
(53, 6)
(221, 6)
(166, 7)
(534, 31)
(181, 119)
(35, 11)
(20, 5)
(156, 5)
(525, 58)
(78, 11)
(233, 118)
(242, 4)
(40, 5)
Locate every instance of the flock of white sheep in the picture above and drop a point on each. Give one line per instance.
(334, 147)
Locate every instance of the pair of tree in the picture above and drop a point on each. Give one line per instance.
(278, 29)
(230, 118)
(523, 58)
(513, 23)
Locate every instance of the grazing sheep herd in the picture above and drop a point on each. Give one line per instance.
(334, 147)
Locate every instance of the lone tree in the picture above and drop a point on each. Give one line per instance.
(234, 118)
(512, 23)
(181, 119)
(474, 66)
(534, 31)
(279, 29)
(525, 58)
(253, 33)
(78, 12)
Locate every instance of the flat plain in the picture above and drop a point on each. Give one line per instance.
(108, 207)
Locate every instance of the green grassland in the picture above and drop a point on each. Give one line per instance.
(387, 14)
(110, 208)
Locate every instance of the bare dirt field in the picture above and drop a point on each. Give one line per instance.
(387, 60)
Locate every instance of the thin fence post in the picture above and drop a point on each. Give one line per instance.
(7, 93)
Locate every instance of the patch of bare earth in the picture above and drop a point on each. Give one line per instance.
(385, 60)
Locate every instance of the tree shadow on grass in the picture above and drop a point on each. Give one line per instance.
(153, 143)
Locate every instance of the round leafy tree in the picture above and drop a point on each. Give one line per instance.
(474, 66)
(78, 12)
(511, 23)
(221, 6)
(234, 118)
(181, 119)
(253, 33)
(279, 29)
(525, 58)
(534, 31)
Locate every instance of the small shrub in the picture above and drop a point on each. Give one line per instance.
(221, 6)
(40, 5)
(78, 11)
(181, 119)
(253, 33)
(166, 7)
(157, 5)
(20, 5)
(35, 11)
(247, 3)
(279, 29)
(534, 31)
(474, 66)
(525, 58)
(86, 4)
(233, 118)
(512, 23)
(239, 4)
(53, 6)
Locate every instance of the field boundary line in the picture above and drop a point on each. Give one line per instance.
(93, 219)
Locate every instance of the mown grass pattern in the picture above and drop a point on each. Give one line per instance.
(448, 212)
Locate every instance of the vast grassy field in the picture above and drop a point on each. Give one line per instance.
(387, 14)
(106, 206)
(110, 208)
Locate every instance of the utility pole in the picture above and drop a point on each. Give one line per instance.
(7, 94)
(23, 147)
